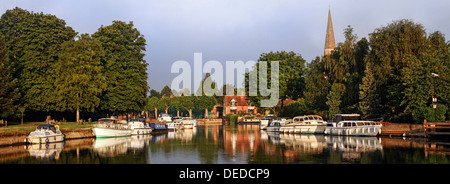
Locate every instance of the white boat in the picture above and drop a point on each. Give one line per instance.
(45, 133)
(309, 124)
(264, 122)
(188, 123)
(350, 124)
(275, 125)
(111, 127)
(164, 117)
(139, 126)
(175, 125)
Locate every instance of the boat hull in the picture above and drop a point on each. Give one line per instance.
(45, 139)
(272, 129)
(354, 131)
(303, 129)
(141, 131)
(111, 132)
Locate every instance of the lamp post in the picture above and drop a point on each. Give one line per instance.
(434, 98)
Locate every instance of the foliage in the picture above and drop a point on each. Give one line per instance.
(8, 92)
(79, 78)
(124, 67)
(291, 76)
(166, 91)
(296, 108)
(33, 42)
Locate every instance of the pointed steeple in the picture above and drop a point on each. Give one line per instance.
(330, 45)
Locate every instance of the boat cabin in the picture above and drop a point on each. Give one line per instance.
(346, 117)
(46, 127)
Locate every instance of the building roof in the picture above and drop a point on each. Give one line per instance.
(240, 100)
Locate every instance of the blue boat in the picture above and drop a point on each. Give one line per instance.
(158, 126)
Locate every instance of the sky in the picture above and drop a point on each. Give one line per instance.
(236, 30)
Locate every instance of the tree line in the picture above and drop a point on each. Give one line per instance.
(392, 75)
(46, 66)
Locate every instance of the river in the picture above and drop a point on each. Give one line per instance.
(232, 144)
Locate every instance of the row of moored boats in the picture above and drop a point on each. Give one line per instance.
(343, 124)
(111, 127)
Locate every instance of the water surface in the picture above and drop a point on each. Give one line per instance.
(232, 144)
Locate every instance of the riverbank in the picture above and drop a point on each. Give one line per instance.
(11, 138)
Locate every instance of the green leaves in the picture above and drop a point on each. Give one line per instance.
(124, 67)
(79, 77)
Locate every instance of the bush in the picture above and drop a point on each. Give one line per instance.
(428, 114)
(294, 109)
(232, 118)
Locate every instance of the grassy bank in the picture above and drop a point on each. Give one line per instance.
(30, 126)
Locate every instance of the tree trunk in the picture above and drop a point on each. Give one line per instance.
(178, 113)
(78, 114)
(206, 112)
(21, 122)
(190, 113)
(156, 112)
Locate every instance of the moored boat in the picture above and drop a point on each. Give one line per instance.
(175, 125)
(188, 123)
(275, 125)
(111, 127)
(351, 124)
(158, 126)
(309, 124)
(45, 133)
(164, 117)
(248, 119)
(264, 122)
(139, 126)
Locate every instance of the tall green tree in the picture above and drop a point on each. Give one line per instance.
(33, 42)
(80, 80)
(291, 76)
(368, 99)
(124, 67)
(317, 85)
(403, 59)
(9, 94)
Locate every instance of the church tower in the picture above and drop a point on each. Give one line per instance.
(330, 45)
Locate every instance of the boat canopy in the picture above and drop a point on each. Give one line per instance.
(46, 127)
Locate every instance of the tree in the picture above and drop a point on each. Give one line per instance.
(8, 91)
(166, 91)
(317, 85)
(368, 99)
(33, 42)
(291, 80)
(188, 103)
(124, 67)
(205, 102)
(333, 102)
(403, 59)
(152, 104)
(346, 66)
(154, 93)
(80, 80)
(177, 104)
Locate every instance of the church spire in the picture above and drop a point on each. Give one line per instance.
(329, 40)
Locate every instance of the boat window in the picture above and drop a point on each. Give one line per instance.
(297, 119)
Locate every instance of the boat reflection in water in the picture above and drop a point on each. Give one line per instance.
(349, 148)
(43, 152)
(111, 147)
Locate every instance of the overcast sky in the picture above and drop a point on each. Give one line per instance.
(232, 30)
